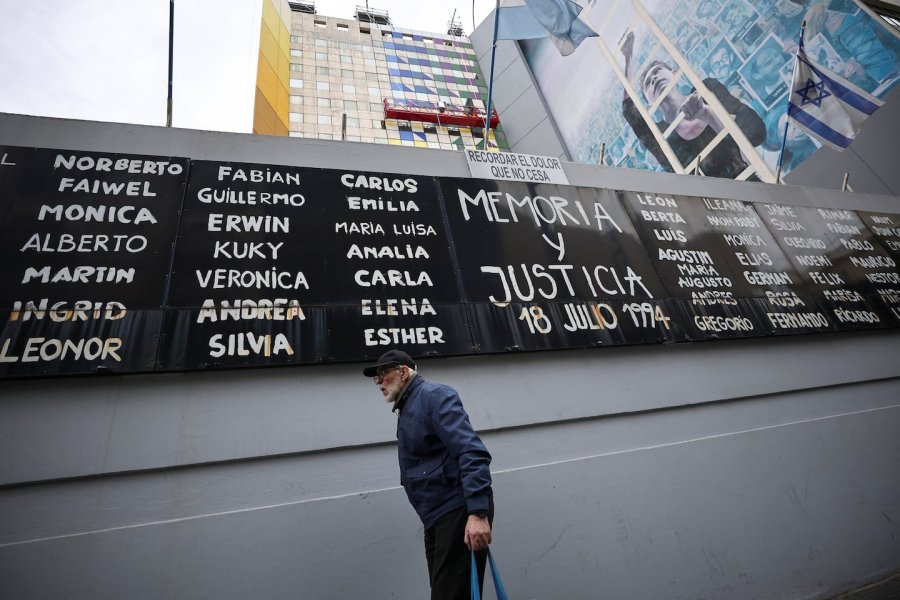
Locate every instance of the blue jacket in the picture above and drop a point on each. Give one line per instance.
(443, 463)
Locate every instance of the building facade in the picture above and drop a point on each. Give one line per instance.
(595, 106)
(364, 80)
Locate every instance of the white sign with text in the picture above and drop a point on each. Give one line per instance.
(512, 166)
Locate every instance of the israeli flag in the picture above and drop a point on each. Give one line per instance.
(541, 18)
(827, 106)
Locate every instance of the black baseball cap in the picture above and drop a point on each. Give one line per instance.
(391, 358)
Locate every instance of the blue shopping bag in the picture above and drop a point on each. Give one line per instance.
(495, 574)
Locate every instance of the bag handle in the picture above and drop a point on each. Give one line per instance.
(495, 575)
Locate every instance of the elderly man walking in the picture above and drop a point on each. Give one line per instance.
(445, 470)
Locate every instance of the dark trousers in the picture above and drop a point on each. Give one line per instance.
(448, 557)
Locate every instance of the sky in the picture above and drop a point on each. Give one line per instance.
(107, 60)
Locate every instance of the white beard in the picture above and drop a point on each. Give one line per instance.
(393, 392)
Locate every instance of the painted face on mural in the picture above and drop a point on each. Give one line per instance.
(765, 66)
(656, 79)
(720, 63)
(706, 8)
(733, 17)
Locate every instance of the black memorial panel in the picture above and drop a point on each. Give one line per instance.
(886, 229)
(546, 266)
(88, 238)
(840, 261)
(15, 162)
(285, 265)
(279, 265)
(717, 263)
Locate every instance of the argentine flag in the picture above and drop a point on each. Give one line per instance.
(827, 106)
(557, 19)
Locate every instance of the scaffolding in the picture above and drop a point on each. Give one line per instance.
(437, 112)
(364, 14)
(454, 27)
(308, 7)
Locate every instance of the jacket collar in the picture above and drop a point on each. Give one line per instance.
(404, 393)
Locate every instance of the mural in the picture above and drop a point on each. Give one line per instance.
(642, 100)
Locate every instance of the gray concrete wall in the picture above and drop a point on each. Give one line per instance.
(760, 468)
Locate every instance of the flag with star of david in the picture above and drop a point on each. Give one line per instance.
(827, 106)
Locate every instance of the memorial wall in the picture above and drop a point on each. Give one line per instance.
(126, 263)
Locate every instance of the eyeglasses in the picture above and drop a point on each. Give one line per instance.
(381, 373)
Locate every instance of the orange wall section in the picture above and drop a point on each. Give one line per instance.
(265, 120)
(270, 113)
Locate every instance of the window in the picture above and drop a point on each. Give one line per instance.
(346, 59)
(324, 102)
(297, 83)
(352, 122)
(365, 30)
(347, 73)
(370, 62)
(343, 27)
(320, 43)
(297, 53)
(321, 56)
(324, 119)
(350, 105)
(296, 39)
(296, 99)
(374, 91)
(320, 24)
(296, 67)
(321, 70)
(375, 106)
(371, 76)
(326, 136)
(295, 117)
(348, 88)
(323, 86)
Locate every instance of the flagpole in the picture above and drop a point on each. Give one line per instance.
(787, 110)
(171, 52)
(487, 116)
